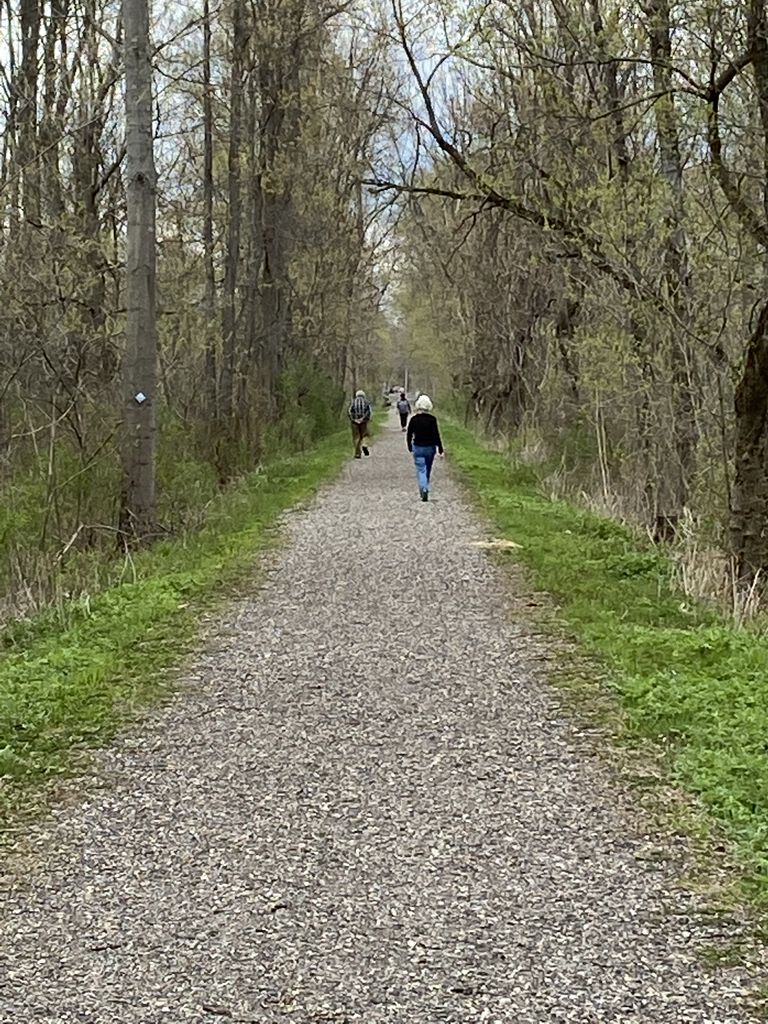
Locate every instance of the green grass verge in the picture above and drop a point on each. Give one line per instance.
(684, 678)
(71, 676)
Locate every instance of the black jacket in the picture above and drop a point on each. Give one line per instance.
(424, 432)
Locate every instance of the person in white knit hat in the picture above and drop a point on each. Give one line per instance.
(424, 442)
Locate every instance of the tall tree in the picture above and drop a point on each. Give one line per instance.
(749, 511)
(208, 248)
(140, 361)
(229, 306)
(676, 266)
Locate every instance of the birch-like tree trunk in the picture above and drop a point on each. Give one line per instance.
(211, 384)
(137, 518)
(229, 309)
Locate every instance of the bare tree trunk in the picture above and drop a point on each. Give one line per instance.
(613, 94)
(749, 512)
(567, 310)
(211, 389)
(27, 113)
(249, 368)
(137, 517)
(50, 127)
(234, 189)
(279, 82)
(676, 269)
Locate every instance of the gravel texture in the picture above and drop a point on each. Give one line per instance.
(364, 806)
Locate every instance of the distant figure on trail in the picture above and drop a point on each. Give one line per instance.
(424, 442)
(360, 413)
(403, 408)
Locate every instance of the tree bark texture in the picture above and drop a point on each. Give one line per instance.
(140, 361)
(211, 384)
(676, 268)
(749, 511)
(234, 224)
(27, 110)
(279, 64)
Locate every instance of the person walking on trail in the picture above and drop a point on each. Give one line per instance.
(360, 413)
(403, 408)
(424, 442)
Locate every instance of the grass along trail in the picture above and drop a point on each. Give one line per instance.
(71, 676)
(365, 805)
(681, 676)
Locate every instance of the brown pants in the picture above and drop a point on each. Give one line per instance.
(359, 434)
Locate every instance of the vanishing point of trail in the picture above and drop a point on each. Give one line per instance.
(365, 805)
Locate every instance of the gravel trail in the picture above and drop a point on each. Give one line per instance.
(364, 806)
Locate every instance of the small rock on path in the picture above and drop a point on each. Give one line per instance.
(364, 806)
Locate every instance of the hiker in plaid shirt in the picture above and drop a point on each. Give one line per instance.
(360, 413)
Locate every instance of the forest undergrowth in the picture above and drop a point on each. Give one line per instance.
(60, 496)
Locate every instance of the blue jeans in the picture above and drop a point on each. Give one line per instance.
(423, 457)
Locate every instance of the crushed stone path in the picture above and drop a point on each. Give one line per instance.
(364, 806)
